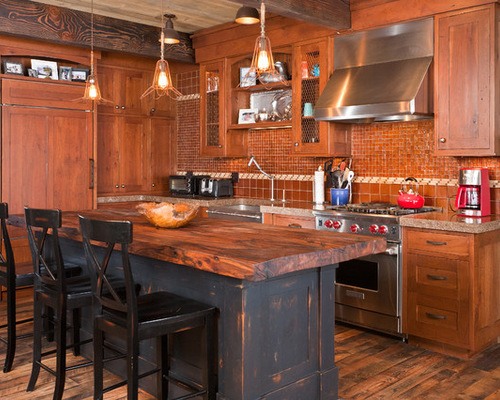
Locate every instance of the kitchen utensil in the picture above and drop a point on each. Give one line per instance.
(408, 195)
(337, 176)
(328, 173)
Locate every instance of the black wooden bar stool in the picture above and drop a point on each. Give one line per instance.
(134, 317)
(58, 286)
(12, 277)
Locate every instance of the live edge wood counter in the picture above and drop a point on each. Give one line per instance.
(273, 286)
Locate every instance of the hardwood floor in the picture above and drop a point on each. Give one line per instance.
(371, 366)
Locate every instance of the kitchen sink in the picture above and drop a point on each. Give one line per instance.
(236, 212)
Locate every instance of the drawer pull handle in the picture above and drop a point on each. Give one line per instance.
(435, 316)
(292, 225)
(354, 294)
(437, 278)
(434, 243)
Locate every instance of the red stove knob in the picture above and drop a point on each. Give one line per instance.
(374, 228)
(383, 230)
(337, 224)
(355, 228)
(328, 224)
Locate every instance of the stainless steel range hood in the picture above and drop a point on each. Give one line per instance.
(380, 75)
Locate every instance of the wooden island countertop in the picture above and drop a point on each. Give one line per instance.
(240, 250)
(274, 288)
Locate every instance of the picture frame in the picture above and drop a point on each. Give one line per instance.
(247, 78)
(65, 73)
(79, 74)
(13, 68)
(45, 69)
(32, 73)
(247, 115)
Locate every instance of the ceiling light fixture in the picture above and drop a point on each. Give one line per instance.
(247, 16)
(92, 91)
(262, 61)
(171, 35)
(162, 80)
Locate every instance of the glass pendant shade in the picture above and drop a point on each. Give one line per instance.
(247, 16)
(92, 91)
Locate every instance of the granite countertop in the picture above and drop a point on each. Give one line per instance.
(443, 220)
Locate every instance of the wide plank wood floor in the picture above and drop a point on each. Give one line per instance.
(371, 366)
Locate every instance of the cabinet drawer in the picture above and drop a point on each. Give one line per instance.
(294, 222)
(436, 242)
(43, 94)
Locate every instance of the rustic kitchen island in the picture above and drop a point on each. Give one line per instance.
(273, 287)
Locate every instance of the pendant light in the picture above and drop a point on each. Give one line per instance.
(171, 35)
(262, 61)
(247, 16)
(162, 80)
(92, 91)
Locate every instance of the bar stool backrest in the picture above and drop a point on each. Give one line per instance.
(43, 236)
(7, 267)
(115, 235)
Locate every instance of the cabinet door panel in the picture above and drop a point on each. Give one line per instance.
(69, 174)
(24, 154)
(163, 153)
(133, 155)
(107, 154)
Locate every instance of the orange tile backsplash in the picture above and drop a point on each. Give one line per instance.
(383, 155)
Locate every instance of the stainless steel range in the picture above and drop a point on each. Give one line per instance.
(368, 289)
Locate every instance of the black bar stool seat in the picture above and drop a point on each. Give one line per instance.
(132, 317)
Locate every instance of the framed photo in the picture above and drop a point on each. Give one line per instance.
(247, 115)
(45, 69)
(247, 78)
(79, 74)
(33, 73)
(11, 67)
(65, 73)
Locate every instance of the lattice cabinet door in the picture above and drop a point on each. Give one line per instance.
(212, 109)
(311, 71)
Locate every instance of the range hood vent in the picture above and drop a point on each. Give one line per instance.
(380, 75)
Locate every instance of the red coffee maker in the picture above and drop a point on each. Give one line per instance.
(473, 196)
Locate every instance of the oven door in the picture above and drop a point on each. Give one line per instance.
(371, 283)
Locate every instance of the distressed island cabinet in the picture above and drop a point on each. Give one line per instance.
(451, 300)
(467, 70)
(135, 137)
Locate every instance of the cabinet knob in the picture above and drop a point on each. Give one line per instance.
(117, 186)
(442, 140)
(153, 184)
(123, 107)
(296, 144)
(117, 106)
(123, 186)
(220, 146)
(153, 110)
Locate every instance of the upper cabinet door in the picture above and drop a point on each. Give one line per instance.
(212, 109)
(466, 48)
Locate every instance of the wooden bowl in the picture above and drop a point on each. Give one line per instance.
(168, 215)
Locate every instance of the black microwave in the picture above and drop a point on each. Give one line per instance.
(185, 184)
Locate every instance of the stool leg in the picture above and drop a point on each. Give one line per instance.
(98, 363)
(11, 326)
(60, 337)
(132, 366)
(163, 364)
(37, 342)
(76, 331)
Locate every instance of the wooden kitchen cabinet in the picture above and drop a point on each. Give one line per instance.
(163, 150)
(311, 137)
(467, 72)
(216, 139)
(290, 221)
(47, 152)
(450, 298)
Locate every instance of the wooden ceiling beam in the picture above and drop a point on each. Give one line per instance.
(59, 25)
(333, 14)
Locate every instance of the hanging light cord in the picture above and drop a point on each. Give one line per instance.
(262, 19)
(91, 37)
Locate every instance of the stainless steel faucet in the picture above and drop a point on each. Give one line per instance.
(270, 177)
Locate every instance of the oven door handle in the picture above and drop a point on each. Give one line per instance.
(392, 249)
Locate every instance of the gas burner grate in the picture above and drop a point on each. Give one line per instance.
(381, 209)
